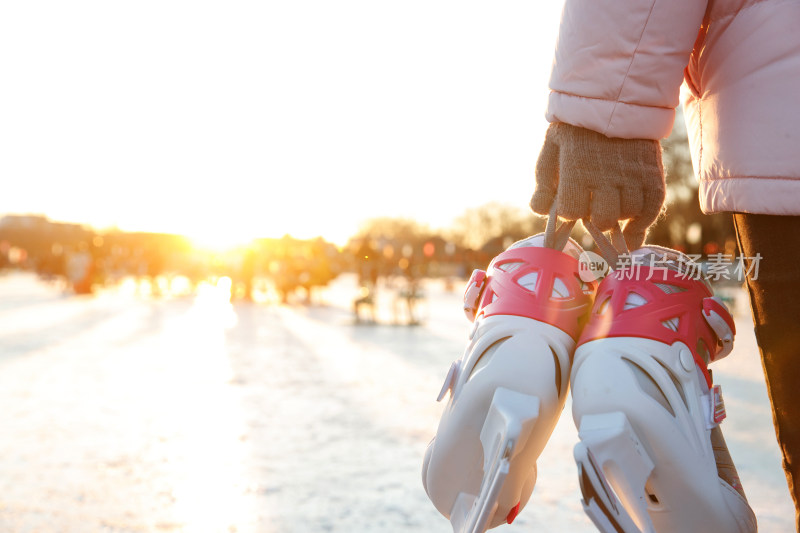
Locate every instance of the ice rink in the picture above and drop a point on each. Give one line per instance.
(127, 413)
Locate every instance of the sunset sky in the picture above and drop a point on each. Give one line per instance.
(232, 120)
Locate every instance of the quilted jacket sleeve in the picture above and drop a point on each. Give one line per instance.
(619, 64)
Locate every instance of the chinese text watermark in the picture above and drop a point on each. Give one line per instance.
(715, 267)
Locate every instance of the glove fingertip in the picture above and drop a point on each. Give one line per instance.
(634, 236)
(542, 200)
(602, 223)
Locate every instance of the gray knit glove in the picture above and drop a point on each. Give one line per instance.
(605, 180)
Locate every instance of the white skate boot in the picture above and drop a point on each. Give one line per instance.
(651, 456)
(509, 388)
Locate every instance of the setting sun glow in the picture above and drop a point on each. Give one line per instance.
(219, 240)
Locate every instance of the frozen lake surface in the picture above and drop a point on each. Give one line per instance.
(125, 413)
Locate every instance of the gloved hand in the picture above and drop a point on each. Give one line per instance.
(605, 180)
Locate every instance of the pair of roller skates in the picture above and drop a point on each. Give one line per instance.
(635, 351)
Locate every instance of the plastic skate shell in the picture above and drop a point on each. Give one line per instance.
(508, 389)
(508, 425)
(675, 308)
(538, 283)
(646, 407)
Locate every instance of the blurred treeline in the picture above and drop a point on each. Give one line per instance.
(383, 247)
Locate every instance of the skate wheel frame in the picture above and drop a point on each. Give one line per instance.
(507, 427)
(609, 443)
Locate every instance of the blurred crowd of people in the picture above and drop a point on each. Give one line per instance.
(84, 260)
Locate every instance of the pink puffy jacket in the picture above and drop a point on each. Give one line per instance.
(618, 70)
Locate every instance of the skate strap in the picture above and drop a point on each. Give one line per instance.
(611, 248)
(555, 236)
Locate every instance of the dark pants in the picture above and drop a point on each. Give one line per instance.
(775, 301)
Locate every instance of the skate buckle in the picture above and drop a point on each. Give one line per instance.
(472, 293)
(717, 405)
(721, 322)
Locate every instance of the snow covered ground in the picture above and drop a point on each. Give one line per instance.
(188, 414)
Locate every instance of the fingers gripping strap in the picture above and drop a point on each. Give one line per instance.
(609, 249)
(557, 237)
